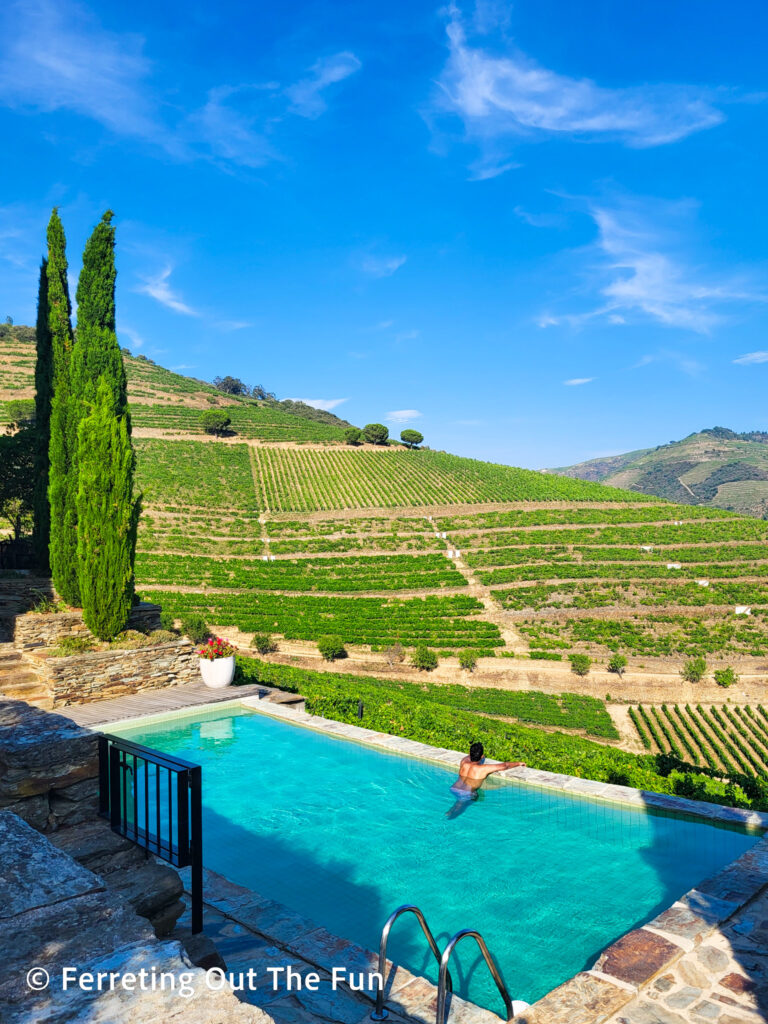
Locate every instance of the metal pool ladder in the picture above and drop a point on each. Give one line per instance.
(380, 1013)
(448, 951)
(445, 983)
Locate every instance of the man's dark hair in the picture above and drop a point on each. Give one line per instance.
(476, 752)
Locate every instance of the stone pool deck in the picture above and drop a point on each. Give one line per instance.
(703, 959)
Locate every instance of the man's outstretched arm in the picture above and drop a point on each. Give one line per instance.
(501, 766)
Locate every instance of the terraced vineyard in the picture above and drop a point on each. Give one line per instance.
(652, 636)
(445, 623)
(17, 365)
(186, 474)
(654, 582)
(729, 738)
(249, 420)
(344, 575)
(306, 481)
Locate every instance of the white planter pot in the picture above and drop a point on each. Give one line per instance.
(219, 672)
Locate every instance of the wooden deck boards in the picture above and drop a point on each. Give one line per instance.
(155, 702)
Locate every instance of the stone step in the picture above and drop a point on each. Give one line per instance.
(286, 699)
(30, 693)
(20, 678)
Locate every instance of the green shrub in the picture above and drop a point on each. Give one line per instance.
(331, 647)
(468, 659)
(726, 676)
(263, 643)
(333, 706)
(352, 435)
(45, 605)
(167, 621)
(215, 422)
(195, 627)
(545, 656)
(580, 664)
(424, 659)
(72, 645)
(130, 640)
(617, 664)
(162, 636)
(693, 670)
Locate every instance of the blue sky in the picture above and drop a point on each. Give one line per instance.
(534, 230)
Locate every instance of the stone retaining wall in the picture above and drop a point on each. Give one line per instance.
(26, 588)
(33, 630)
(98, 675)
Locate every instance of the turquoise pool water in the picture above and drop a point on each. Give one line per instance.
(343, 834)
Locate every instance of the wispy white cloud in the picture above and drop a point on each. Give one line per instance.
(509, 96)
(134, 337)
(642, 270)
(547, 320)
(752, 357)
(232, 325)
(575, 382)
(403, 415)
(328, 404)
(684, 362)
(158, 288)
(539, 220)
(410, 335)
(57, 56)
(486, 169)
(648, 280)
(306, 95)
(381, 266)
(232, 127)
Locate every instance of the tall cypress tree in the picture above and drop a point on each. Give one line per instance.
(107, 515)
(62, 484)
(107, 512)
(41, 530)
(96, 354)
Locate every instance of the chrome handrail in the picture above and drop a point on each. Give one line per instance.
(380, 1013)
(441, 985)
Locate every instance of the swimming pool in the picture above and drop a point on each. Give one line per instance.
(344, 833)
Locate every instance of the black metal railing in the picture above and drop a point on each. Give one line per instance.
(154, 800)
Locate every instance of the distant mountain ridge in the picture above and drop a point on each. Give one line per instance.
(715, 466)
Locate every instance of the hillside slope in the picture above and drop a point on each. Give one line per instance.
(715, 467)
(384, 547)
(165, 403)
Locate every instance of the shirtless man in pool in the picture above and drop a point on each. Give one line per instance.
(472, 774)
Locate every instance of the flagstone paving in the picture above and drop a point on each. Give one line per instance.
(722, 979)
